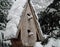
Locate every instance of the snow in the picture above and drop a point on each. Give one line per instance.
(34, 9)
(51, 42)
(40, 5)
(2, 24)
(59, 22)
(0, 36)
(11, 31)
(58, 43)
(45, 36)
(7, 42)
(37, 44)
(14, 17)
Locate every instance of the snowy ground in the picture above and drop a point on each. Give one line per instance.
(52, 43)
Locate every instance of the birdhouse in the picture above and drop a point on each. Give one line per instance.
(28, 28)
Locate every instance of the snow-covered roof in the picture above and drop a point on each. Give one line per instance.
(34, 9)
(14, 17)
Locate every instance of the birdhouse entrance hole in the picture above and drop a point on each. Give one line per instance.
(30, 33)
(28, 14)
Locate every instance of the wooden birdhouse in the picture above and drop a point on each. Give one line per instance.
(28, 29)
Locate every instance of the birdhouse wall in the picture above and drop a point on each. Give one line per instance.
(28, 28)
